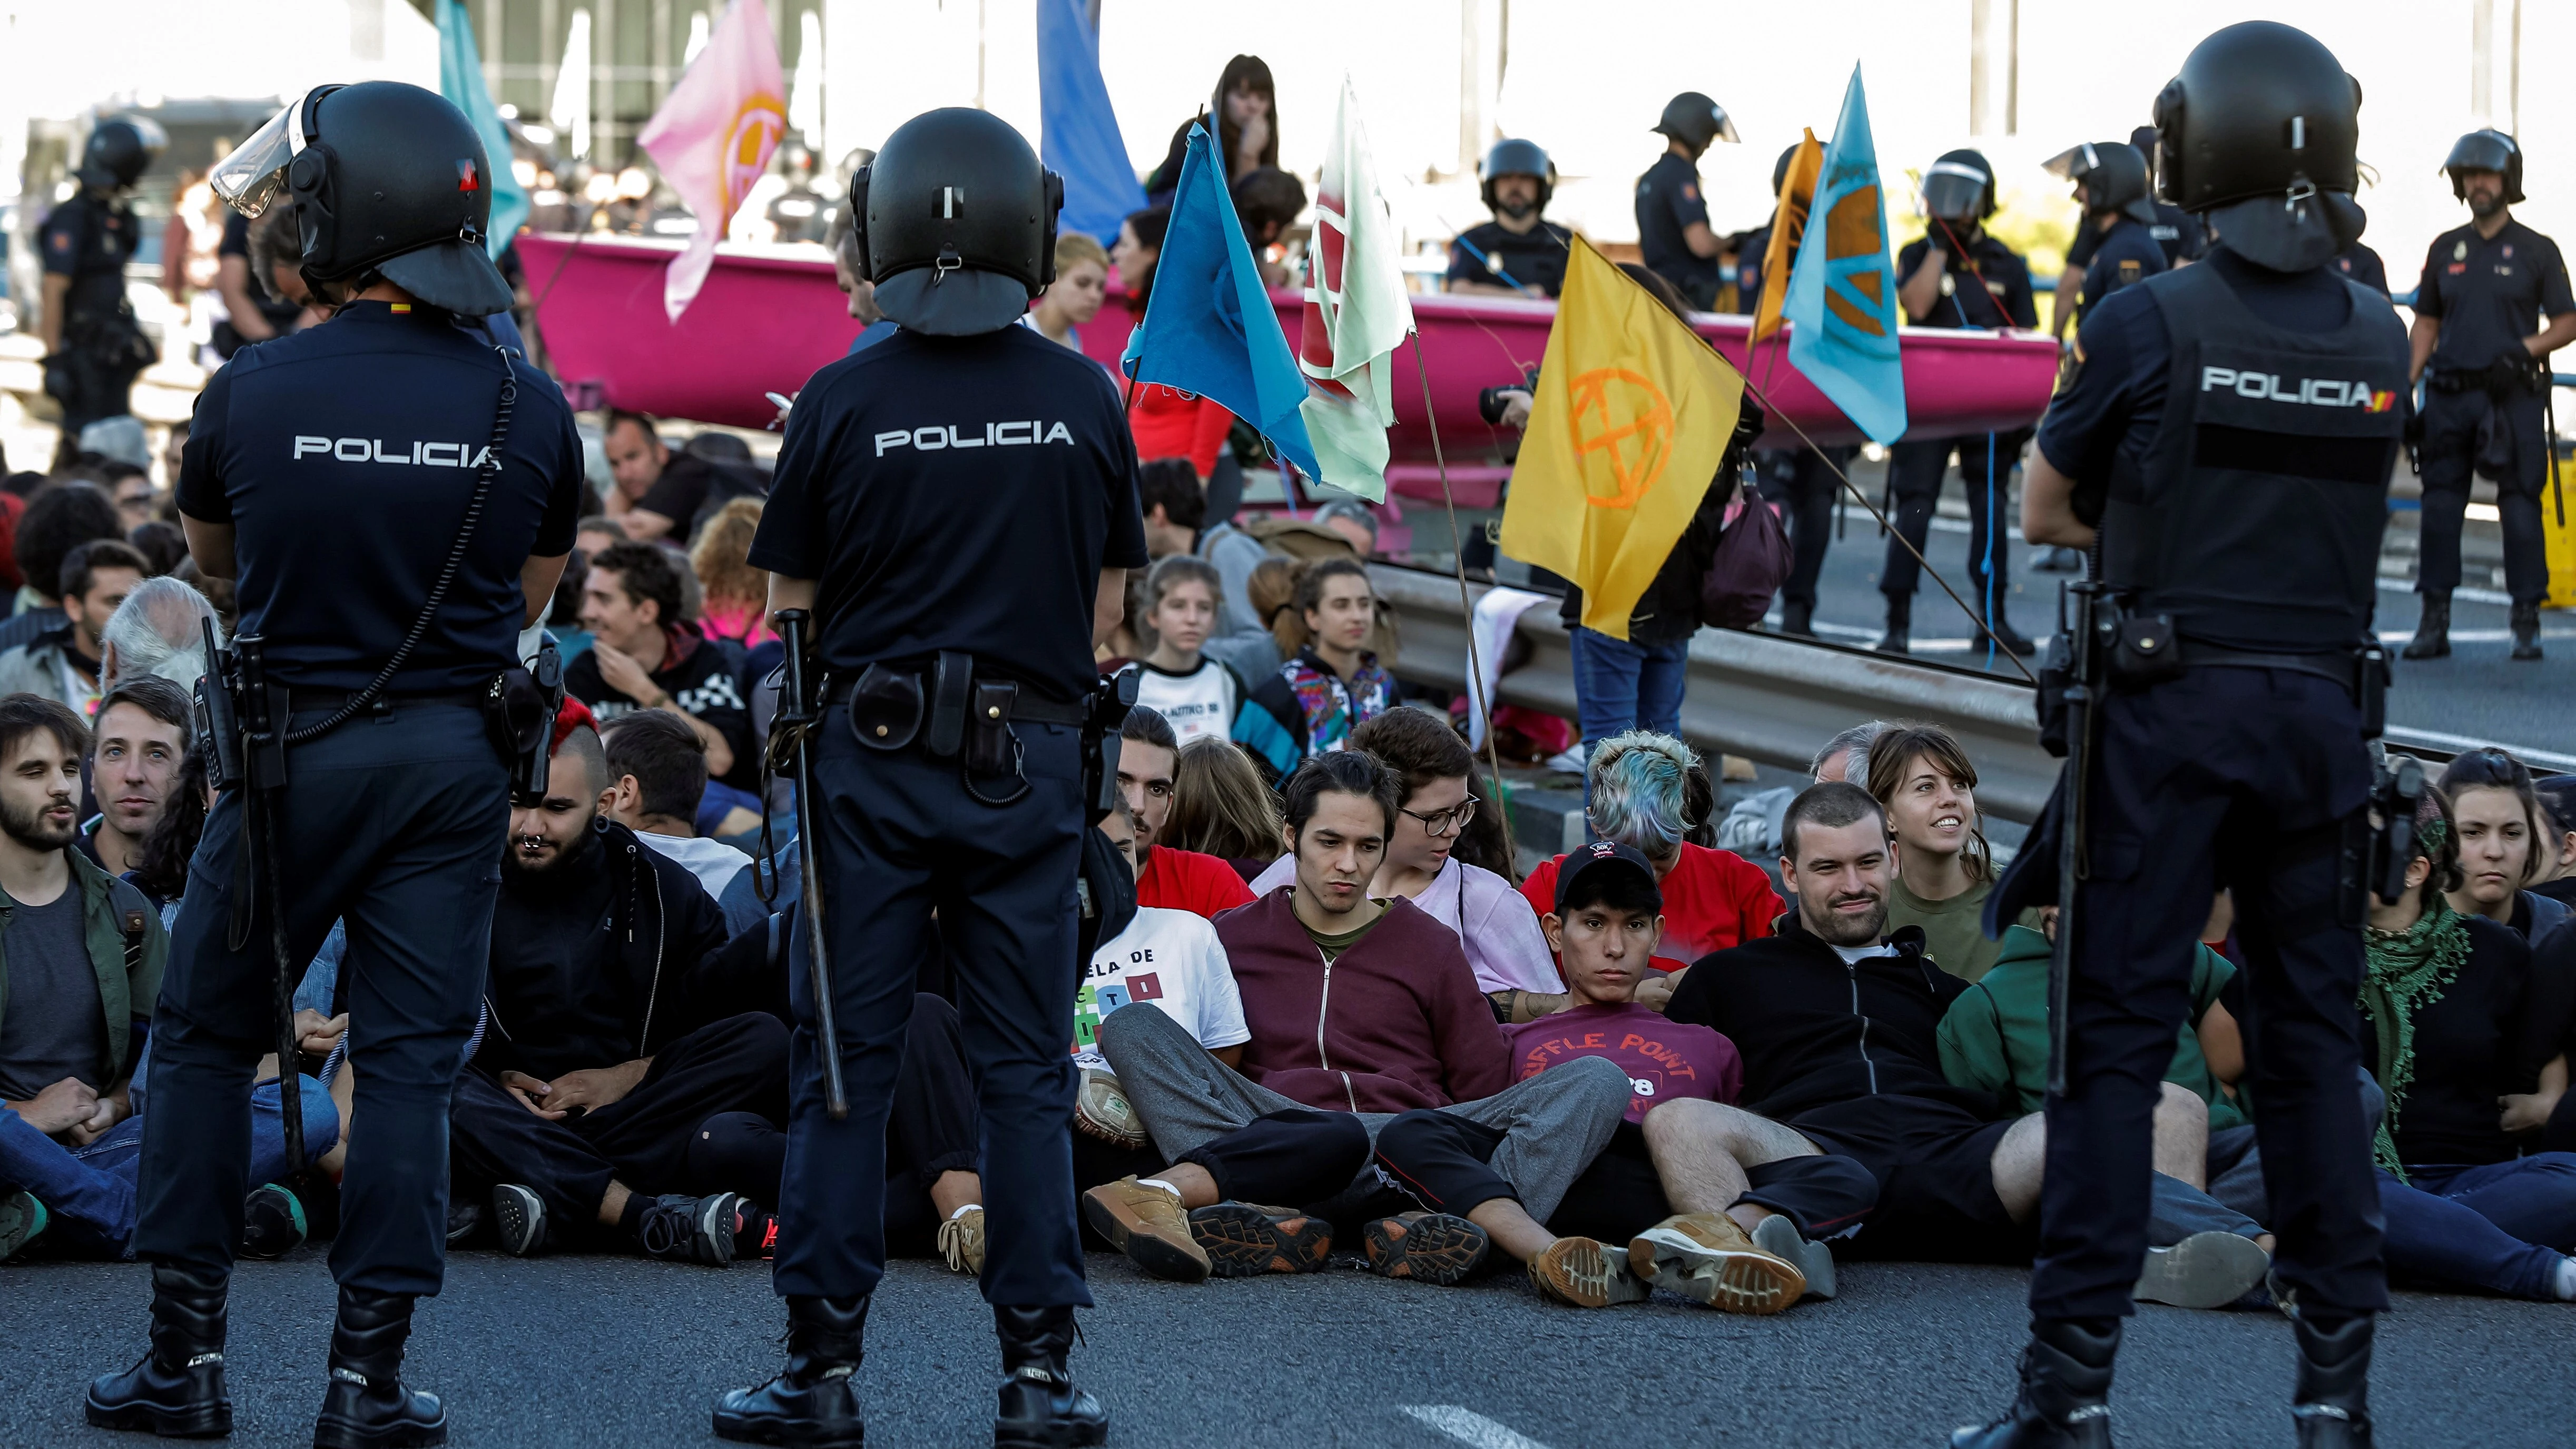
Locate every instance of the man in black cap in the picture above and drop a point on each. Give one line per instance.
(93, 344)
(1673, 236)
(1520, 253)
(394, 501)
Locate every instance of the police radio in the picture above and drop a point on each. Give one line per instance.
(218, 723)
(2395, 796)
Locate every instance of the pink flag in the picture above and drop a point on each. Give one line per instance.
(713, 136)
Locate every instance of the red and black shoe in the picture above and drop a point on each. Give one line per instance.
(1245, 1240)
(755, 1230)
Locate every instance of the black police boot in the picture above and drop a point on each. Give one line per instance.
(366, 1405)
(2065, 1391)
(2008, 638)
(2332, 1404)
(2526, 630)
(177, 1391)
(811, 1402)
(1900, 626)
(1798, 618)
(2432, 629)
(1041, 1409)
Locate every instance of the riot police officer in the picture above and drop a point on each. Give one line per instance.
(1673, 238)
(394, 500)
(1957, 274)
(1520, 253)
(957, 505)
(2232, 683)
(93, 344)
(2116, 243)
(2486, 380)
(1803, 481)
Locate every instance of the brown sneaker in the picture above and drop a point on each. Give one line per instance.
(1148, 1225)
(1705, 1256)
(1586, 1274)
(1101, 1109)
(1440, 1248)
(961, 1242)
(1243, 1239)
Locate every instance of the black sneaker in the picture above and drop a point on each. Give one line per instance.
(272, 1222)
(1440, 1248)
(466, 1220)
(755, 1230)
(689, 1229)
(519, 1216)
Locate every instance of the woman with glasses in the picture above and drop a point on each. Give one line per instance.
(1500, 931)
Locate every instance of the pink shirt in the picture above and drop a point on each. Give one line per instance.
(1663, 1058)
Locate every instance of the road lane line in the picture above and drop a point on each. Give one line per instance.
(1471, 1428)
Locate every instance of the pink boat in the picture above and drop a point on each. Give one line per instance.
(768, 318)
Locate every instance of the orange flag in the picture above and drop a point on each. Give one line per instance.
(1788, 226)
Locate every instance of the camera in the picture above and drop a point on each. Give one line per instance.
(1492, 402)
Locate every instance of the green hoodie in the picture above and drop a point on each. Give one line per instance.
(1995, 1037)
(127, 949)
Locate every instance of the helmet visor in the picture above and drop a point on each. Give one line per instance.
(1954, 192)
(250, 178)
(2071, 163)
(1726, 127)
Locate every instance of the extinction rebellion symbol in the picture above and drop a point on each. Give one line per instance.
(1627, 420)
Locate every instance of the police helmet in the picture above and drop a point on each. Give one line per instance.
(2114, 177)
(387, 179)
(1518, 158)
(120, 150)
(1780, 168)
(2487, 150)
(2261, 133)
(1960, 187)
(956, 221)
(1695, 121)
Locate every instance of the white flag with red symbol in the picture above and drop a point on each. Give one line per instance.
(714, 135)
(1357, 313)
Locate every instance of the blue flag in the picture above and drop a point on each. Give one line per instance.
(1842, 295)
(1077, 131)
(1209, 327)
(460, 79)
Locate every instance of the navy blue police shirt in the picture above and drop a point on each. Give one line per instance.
(1497, 256)
(2363, 265)
(2179, 234)
(1988, 287)
(2125, 255)
(344, 457)
(2489, 293)
(957, 493)
(1749, 256)
(1668, 201)
(90, 241)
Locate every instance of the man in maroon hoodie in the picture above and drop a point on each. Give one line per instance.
(1360, 1010)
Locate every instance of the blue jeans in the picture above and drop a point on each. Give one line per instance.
(2502, 1227)
(89, 1191)
(1621, 686)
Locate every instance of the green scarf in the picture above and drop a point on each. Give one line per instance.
(2404, 972)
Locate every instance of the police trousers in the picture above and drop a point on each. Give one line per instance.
(395, 824)
(1805, 486)
(1914, 475)
(2247, 780)
(2448, 458)
(898, 837)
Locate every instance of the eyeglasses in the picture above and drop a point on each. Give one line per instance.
(1449, 821)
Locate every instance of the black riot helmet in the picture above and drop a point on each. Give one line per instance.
(388, 180)
(119, 151)
(1960, 187)
(1518, 158)
(1780, 168)
(2487, 150)
(2261, 133)
(956, 222)
(2114, 177)
(1695, 121)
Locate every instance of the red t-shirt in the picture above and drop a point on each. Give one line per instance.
(1713, 899)
(1185, 880)
(1664, 1059)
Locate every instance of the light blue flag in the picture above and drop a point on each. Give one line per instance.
(1842, 294)
(460, 79)
(1209, 327)
(1077, 130)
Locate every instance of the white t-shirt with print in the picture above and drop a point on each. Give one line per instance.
(1171, 959)
(1200, 703)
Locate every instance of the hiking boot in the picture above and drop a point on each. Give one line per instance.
(2065, 1398)
(366, 1405)
(1780, 1238)
(177, 1389)
(21, 1219)
(1245, 1240)
(2526, 630)
(519, 1216)
(1900, 627)
(961, 1241)
(1706, 1257)
(1040, 1408)
(1798, 619)
(2332, 1404)
(1101, 1109)
(680, 1229)
(2432, 629)
(272, 1222)
(755, 1230)
(1585, 1274)
(2205, 1270)
(809, 1402)
(1149, 1226)
(1440, 1248)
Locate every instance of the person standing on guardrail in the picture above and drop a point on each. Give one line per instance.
(2486, 383)
(2224, 446)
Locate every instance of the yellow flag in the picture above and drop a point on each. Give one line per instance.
(1788, 225)
(1632, 414)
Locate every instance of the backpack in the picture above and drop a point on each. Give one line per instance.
(1748, 566)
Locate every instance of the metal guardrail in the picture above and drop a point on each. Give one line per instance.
(1767, 698)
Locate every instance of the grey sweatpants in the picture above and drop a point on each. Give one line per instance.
(1553, 1124)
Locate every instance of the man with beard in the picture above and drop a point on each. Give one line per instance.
(613, 1038)
(1519, 253)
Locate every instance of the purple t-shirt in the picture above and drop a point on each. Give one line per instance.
(1663, 1058)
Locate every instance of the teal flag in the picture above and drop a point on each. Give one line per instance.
(460, 79)
(1842, 294)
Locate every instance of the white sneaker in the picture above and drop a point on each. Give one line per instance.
(1569, 761)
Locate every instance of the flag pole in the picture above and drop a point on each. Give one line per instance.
(1466, 609)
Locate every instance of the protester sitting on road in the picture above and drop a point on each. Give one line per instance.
(142, 735)
(1501, 933)
(657, 496)
(1075, 296)
(735, 596)
(63, 662)
(58, 520)
(585, 1106)
(1329, 687)
(1845, 757)
(1175, 505)
(2502, 835)
(1944, 867)
(1181, 880)
(644, 655)
(1713, 899)
(655, 773)
(1198, 695)
(159, 629)
(1402, 1027)
(1267, 202)
(2558, 855)
(1220, 807)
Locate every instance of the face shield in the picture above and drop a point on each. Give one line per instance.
(1955, 192)
(250, 178)
(1725, 126)
(2072, 163)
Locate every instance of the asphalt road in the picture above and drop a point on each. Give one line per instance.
(615, 1352)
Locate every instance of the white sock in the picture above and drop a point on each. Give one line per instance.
(2563, 1282)
(1158, 1185)
(972, 1207)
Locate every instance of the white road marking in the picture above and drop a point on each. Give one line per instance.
(1471, 1428)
